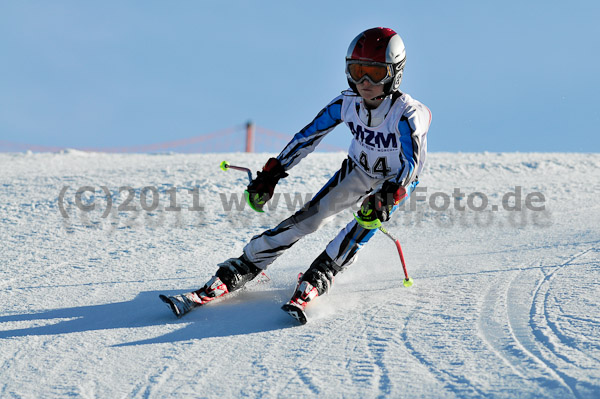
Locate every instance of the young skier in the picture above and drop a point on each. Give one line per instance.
(386, 155)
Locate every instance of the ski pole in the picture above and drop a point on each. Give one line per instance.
(225, 165)
(408, 282)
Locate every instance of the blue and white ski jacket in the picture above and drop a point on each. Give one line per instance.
(388, 142)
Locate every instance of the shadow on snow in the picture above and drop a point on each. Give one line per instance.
(243, 313)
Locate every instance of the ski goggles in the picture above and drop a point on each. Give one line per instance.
(376, 73)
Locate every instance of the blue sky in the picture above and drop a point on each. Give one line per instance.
(498, 76)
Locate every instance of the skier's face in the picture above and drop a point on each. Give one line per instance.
(368, 91)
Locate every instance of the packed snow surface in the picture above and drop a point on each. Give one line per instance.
(503, 248)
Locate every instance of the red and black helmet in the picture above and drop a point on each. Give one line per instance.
(378, 55)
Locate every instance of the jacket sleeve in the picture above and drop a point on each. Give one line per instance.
(413, 127)
(307, 139)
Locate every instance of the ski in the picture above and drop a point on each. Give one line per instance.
(177, 306)
(303, 294)
(184, 303)
(296, 312)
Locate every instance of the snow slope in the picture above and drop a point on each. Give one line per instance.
(505, 303)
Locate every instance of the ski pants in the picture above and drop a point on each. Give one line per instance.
(346, 188)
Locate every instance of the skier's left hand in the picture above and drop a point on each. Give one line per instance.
(376, 208)
(260, 190)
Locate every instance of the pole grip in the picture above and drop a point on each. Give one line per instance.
(225, 165)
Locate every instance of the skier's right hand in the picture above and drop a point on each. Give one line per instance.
(377, 208)
(260, 190)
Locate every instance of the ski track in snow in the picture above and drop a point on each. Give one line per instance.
(504, 304)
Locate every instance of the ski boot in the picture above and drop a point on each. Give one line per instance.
(316, 281)
(232, 275)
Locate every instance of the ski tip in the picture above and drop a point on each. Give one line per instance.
(171, 305)
(165, 299)
(295, 312)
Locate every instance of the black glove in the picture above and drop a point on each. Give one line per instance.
(376, 208)
(260, 190)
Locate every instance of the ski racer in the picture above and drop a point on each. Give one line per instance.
(386, 155)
